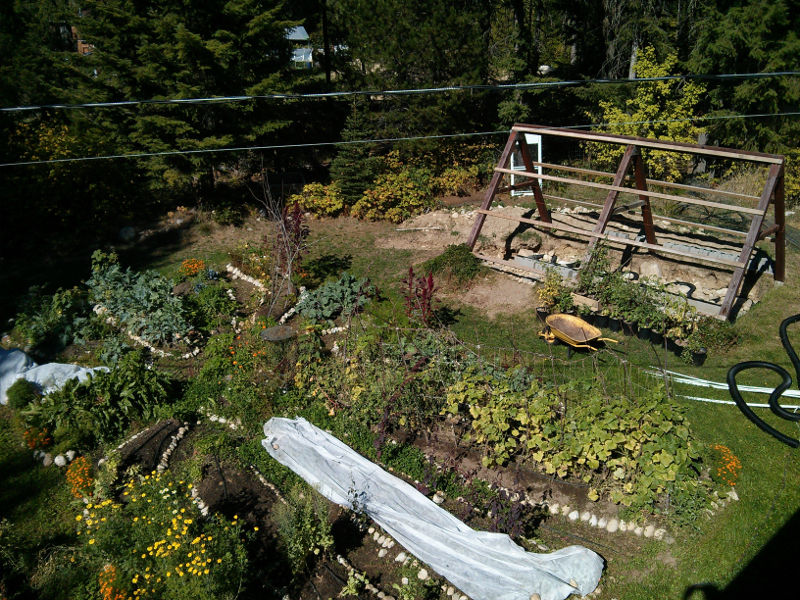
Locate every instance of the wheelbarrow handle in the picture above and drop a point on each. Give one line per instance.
(607, 340)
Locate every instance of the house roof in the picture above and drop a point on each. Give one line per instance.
(297, 34)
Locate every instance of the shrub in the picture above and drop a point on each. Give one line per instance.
(21, 393)
(304, 526)
(457, 262)
(318, 199)
(402, 191)
(141, 302)
(209, 306)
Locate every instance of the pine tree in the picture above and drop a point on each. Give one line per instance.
(353, 169)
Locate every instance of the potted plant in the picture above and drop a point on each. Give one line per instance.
(550, 293)
(694, 353)
(601, 318)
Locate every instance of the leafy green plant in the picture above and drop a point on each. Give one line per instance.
(21, 393)
(631, 451)
(55, 320)
(304, 526)
(101, 407)
(345, 296)
(457, 262)
(553, 293)
(141, 302)
(209, 306)
(318, 199)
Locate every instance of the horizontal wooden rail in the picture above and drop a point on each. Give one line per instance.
(510, 263)
(614, 240)
(573, 201)
(633, 191)
(517, 186)
(655, 216)
(626, 207)
(768, 231)
(666, 184)
(700, 190)
(681, 147)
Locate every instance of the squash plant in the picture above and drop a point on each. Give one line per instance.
(633, 452)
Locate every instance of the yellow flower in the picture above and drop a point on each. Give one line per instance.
(91, 541)
(78, 518)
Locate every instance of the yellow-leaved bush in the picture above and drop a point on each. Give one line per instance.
(318, 199)
(660, 110)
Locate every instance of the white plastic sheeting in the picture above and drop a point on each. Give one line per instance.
(485, 566)
(15, 364)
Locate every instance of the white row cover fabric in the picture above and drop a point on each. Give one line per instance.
(15, 364)
(485, 566)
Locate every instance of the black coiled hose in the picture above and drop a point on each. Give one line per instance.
(777, 392)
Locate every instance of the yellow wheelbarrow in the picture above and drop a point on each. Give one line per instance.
(573, 331)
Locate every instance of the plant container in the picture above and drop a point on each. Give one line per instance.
(601, 321)
(542, 313)
(699, 357)
(656, 338)
(644, 333)
(613, 324)
(628, 328)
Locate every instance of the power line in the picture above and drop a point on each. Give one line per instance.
(407, 92)
(376, 141)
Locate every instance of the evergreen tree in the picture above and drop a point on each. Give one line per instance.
(752, 36)
(188, 49)
(353, 169)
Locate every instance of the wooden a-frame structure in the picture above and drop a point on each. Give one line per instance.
(772, 194)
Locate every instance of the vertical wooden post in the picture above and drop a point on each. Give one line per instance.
(641, 184)
(541, 207)
(492, 190)
(774, 177)
(780, 235)
(608, 207)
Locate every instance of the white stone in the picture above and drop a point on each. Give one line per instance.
(593, 521)
(463, 598)
(574, 515)
(438, 499)
(649, 530)
(400, 557)
(733, 495)
(422, 575)
(554, 508)
(602, 522)
(390, 544)
(376, 535)
(371, 530)
(60, 461)
(450, 591)
(659, 534)
(612, 526)
(535, 596)
(48, 460)
(638, 531)
(623, 526)
(565, 510)
(382, 552)
(586, 516)
(381, 539)
(404, 581)
(71, 455)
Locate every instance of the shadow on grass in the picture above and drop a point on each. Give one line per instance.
(767, 575)
(328, 265)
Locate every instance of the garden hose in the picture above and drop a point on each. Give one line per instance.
(777, 392)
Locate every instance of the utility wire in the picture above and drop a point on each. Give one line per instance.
(377, 141)
(408, 92)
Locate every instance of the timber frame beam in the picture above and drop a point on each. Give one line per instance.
(772, 194)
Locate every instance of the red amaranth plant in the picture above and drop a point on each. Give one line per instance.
(418, 293)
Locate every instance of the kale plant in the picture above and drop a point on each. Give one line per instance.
(344, 296)
(142, 302)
